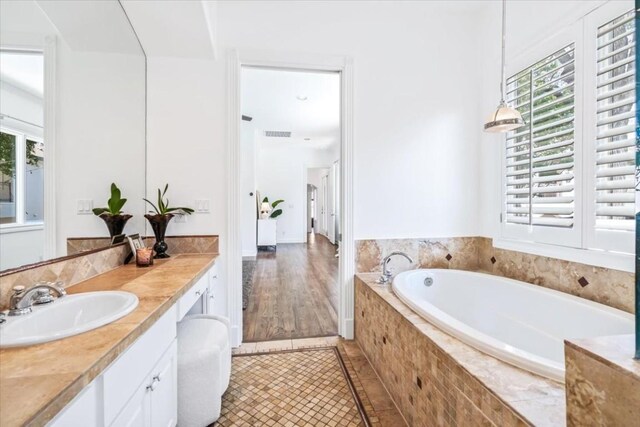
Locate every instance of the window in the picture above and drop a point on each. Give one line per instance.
(539, 156)
(21, 178)
(612, 180)
(569, 174)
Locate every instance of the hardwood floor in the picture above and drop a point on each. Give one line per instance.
(294, 293)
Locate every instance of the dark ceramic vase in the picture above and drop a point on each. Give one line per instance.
(115, 223)
(159, 225)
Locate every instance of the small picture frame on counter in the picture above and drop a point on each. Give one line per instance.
(118, 238)
(135, 241)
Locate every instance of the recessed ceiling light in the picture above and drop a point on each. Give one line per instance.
(301, 98)
(307, 139)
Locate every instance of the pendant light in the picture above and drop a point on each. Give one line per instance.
(504, 118)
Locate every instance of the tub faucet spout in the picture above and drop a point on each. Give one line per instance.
(386, 274)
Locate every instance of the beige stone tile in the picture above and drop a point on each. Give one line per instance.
(273, 345)
(247, 347)
(314, 342)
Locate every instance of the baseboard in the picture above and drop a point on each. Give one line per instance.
(290, 241)
(236, 336)
(348, 329)
(250, 253)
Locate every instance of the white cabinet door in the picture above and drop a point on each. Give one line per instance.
(84, 410)
(267, 232)
(137, 411)
(164, 396)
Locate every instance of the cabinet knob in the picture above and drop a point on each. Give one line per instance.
(198, 293)
(152, 386)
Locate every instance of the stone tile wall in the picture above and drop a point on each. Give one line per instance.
(611, 287)
(82, 267)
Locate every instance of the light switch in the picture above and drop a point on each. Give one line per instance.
(85, 207)
(202, 206)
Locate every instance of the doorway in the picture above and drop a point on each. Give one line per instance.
(290, 149)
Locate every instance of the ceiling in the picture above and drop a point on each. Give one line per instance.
(174, 28)
(304, 103)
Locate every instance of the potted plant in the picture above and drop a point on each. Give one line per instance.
(269, 210)
(267, 233)
(160, 219)
(112, 215)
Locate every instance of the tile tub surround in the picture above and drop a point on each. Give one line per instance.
(36, 382)
(435, 379)
(203, 244)
(606, 286)
(603, 382)
(69, 270)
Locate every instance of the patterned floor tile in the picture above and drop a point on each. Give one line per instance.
(291, 388)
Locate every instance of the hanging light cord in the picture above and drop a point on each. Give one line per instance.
(503, 83)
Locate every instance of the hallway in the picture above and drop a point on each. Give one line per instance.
(294, 292)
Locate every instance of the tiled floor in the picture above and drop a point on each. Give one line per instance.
(378, 406)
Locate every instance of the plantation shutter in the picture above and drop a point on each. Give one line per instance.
(540, 155)
(615, 134)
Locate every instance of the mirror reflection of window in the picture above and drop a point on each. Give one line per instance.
(21, 137)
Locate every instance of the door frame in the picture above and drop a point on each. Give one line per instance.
(236, 59)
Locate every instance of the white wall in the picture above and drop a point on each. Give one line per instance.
(20, 248)
(417, 120)
(417, 116)
(100, 139)
(282, 174)
(187, 137)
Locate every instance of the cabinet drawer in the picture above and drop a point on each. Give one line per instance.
(192, 296)
(125, 375)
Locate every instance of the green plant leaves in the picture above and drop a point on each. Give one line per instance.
(276, 213)
(276, 203)
(114, 204)
(162, 208)
(99, 211)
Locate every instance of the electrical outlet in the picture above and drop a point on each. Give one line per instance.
(202, 206)
(85, 207)
(180, 219)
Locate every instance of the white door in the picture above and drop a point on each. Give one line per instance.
(323, 210)
(331, 205)
(336, 200)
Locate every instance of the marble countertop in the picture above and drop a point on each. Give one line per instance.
(540, 400)
(615, 351)
(37, 381)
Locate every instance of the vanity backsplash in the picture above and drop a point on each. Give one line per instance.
(611, 287)
(72, 270)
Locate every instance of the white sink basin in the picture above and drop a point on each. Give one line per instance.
(67, 316)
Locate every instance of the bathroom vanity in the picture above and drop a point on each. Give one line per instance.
(123, 373)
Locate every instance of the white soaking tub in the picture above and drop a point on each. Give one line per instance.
(519, 323)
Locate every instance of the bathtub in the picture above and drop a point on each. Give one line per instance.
(519, 323)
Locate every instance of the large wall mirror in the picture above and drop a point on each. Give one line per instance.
(72, 119)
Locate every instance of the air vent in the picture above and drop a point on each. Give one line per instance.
(277, 134)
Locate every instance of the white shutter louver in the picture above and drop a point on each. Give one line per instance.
(615, 127)
(540, 155)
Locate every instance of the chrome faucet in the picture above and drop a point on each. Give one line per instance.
(21, 300)
(386, 274)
